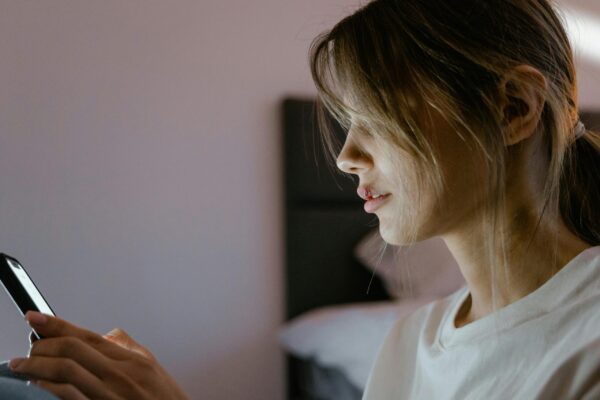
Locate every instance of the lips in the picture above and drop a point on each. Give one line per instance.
(374, 198)
(369, 193)
(374, 204)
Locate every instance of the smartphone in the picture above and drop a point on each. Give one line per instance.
(21, 288)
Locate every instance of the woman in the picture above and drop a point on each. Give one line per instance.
(463, 116)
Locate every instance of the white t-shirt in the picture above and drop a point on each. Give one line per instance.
(547, 346)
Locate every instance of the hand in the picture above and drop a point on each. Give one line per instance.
(117, 336)
(120, 337)
(74, 363)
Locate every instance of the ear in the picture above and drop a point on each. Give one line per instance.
(522, 98)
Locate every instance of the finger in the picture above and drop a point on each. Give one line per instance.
(50, 326)
(122, 338)
(59, 370)
(64, 391)
(73, 348)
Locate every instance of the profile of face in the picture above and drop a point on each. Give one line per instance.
(406, 212)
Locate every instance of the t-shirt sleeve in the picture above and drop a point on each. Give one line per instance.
(577, 378)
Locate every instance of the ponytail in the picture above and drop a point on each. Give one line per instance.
(579, 200)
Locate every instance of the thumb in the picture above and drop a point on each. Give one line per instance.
(121, 338)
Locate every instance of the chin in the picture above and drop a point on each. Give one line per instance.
(397, 237)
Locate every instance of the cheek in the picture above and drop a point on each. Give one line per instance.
(409, 209)
(400, 182)
(464, 176)
(415, 212)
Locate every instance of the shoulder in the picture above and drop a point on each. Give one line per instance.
(397, 354)
(423, 322)
(428, 317)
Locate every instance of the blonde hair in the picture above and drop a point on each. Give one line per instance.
(376, 64)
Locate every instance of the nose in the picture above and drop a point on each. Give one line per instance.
(352, 159)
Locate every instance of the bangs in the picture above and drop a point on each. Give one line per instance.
(364, 77)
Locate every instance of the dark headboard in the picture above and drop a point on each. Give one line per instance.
(324, 220)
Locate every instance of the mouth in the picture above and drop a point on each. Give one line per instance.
(373, 204)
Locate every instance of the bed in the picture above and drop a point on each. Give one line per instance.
(337, 310)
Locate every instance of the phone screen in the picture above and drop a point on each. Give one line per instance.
(28, 285)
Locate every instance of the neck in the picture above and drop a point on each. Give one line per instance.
(529, 262)
(532, 253)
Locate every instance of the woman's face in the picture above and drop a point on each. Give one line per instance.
(384, 170)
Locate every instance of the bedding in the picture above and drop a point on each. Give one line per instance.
(345, 337)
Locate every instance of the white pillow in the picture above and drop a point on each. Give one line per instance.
(345, 336)
(426, 268)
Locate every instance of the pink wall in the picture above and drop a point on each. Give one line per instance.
(141, 175)
(140, 163)
(585, 35)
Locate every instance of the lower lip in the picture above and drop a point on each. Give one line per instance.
(374, 204)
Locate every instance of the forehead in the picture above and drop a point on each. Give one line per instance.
(404, 98)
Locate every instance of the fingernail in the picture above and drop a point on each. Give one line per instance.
(15, 362)
(36, 318)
